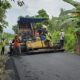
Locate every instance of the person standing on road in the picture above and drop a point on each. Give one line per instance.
(3, 43)
(16, 45)
(62, 39)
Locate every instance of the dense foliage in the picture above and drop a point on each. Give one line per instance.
(4, 5)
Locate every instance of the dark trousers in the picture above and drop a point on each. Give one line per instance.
(62, 43)
(17, 50)
(2, 50)
(11, 50)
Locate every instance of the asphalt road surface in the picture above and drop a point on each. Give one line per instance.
(52, 66)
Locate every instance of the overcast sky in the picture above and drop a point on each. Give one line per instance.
(31, 7)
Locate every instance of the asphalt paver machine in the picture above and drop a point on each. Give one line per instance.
(33, 39)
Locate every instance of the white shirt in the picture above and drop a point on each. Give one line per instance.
(61, 35)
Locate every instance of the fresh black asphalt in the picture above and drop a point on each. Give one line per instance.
(50, 66)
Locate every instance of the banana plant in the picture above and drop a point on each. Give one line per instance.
(74, 3)
(77, 15)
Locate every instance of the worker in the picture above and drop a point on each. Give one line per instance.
(48, 39)
(16, 45)
(61, 38)
(3, 43)
(43, 36)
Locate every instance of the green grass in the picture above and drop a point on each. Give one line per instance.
(3, 60)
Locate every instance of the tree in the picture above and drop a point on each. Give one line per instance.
(15, 29)
(75, 13)
(42, 14)
(74, 3)
(66, 19)
(57, 23)
(4, 5)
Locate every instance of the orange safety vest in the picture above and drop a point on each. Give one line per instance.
(16, 43)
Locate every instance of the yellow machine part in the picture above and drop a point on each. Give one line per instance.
(35, 44)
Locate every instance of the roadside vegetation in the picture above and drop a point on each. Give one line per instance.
(4, 6)
(3, 74)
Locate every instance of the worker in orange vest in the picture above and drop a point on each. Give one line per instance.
(16, 45)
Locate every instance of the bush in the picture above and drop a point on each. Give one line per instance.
(55, 37)
(70, 42)
(70, 38)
